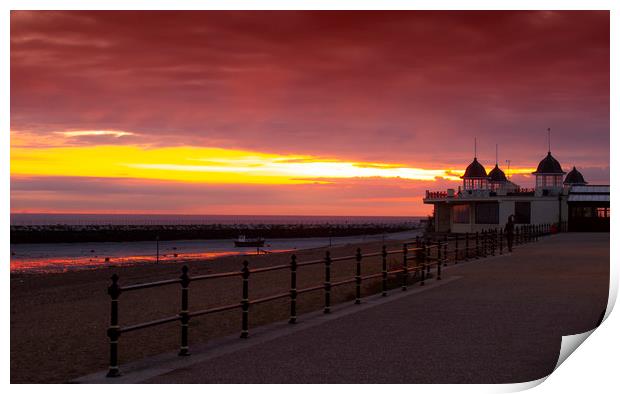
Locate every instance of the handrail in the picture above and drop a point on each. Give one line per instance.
(141, 286)
(426, 254)
(215, 276)
(151, 323)
(267, 269)
(214, 310)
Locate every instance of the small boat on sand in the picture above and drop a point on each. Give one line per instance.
(242, 241)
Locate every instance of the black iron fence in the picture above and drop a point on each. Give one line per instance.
(426, 254)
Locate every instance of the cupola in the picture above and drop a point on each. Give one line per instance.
(574, 177)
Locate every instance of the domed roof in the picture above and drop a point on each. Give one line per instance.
(497, 175)
(574, 177)
(475, 170)
(549, 165)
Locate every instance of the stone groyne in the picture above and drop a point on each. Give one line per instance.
(120, 233)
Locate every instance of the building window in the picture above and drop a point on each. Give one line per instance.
(548, 180)
(602, 212)
(460, 214)
(487, 213)
(475, 183)
(522, 212)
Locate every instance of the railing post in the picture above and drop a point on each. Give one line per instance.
(114, 330)
(245, 301)
(293, 318)
(439, 262)
(384, 271)
(424, 261)
(358, 276)
(501, 241)
(405, 268)
(466, 246)
(428, 265)
(445, 254)
(493, 236)
(516, 242)
(184, 351)
(477, 245)
(445, 250)
(328, 283)
(527, 233)
(456, 249)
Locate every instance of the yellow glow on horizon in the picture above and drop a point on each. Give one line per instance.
(208, 165)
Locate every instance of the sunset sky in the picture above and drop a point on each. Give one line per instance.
(302, 113)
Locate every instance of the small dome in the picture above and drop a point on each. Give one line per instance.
(549, 165)
(497, 175)
(574, 177)
(475, 170)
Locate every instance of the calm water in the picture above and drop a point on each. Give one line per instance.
(42, 258)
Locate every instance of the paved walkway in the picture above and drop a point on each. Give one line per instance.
(497, 320)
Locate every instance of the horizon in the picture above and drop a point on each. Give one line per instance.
(296, 113)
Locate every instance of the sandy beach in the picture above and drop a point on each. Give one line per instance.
(59, 320)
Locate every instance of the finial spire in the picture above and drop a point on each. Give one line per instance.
(496, 154)
(475, 147)
(549, 138)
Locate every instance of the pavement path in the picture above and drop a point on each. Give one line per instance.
(494, 320)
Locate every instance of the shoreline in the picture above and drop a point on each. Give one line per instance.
(47, 258)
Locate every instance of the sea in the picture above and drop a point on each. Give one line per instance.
(63, 257)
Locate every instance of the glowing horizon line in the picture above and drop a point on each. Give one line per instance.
(218, 165)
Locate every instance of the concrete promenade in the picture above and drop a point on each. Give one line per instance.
(494, 320)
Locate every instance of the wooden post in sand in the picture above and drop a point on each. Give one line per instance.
(245, 299)
(358, 276)
(114, 330)
(328, 283)
(293, 318)
(184, 351)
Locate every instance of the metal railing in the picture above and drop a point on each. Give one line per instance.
(426, 252)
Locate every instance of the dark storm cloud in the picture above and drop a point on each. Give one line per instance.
(411, 87)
